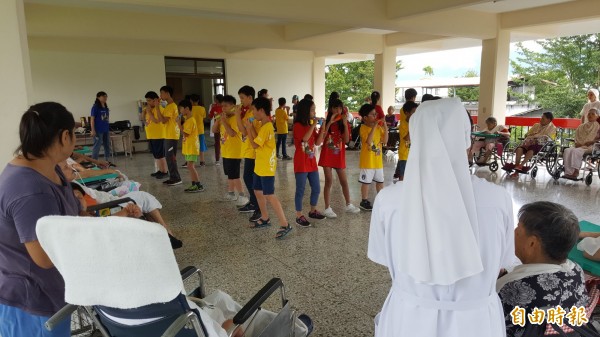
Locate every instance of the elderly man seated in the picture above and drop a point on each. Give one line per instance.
(585, 137)
(534, 141)
(543, 238)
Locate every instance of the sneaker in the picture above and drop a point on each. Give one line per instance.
(161, 175)
(352, 209)
(279, 157)
(217, 163)
(184, 164)
(192, 189)
(174, 182)
(255, 216)
(168, 181)
(175, 242)
(230, 197)
(329, 213)
(202, 164)
(366, 205)
(283, 231)
(248, 208)
(395, 178)
(302, 222)
(155, 173)
(200, 187)
(241, 201)
(316, 215)
(286, 157)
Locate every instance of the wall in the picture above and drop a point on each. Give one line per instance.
(290, 74)
(74, 78)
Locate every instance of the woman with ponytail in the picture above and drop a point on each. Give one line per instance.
(32, 186)
(100, 126)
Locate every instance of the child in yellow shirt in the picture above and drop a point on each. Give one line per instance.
(191, 145)
(281, 123)
(199, 114)
(404, 144)
(373, 134)
(264, 170)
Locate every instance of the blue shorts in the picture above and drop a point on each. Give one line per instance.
(203, 147)
(16, 322)
(157, 146)
(264, 184)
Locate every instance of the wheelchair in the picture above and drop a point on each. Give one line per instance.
(497, 150)
(590, 163)
(132, 304)
(547, 155)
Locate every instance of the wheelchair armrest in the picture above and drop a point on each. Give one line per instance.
(61, 315)
(190, 271)
(181, 322)
(109, 204)
(255, 302)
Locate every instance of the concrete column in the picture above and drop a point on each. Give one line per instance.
(318, 85)
(15, 75)
(385, 76)
(494, 77)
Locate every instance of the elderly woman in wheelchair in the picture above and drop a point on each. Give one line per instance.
(586, 136)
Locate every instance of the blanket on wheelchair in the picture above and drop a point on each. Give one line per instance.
(116, 262)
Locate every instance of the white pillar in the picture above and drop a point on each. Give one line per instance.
(494, 77)
(318, 85)
(385, 77)
(15, 75)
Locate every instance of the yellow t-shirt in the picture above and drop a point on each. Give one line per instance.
(281, 121)
(266, 159)
(199, 113)
(247, 149)
(231, 146)
(191, 143)
(371, 155)
(171, 128)
(155, 130)
(403, 149)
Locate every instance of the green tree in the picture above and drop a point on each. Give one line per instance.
(353, 81)
(428, 71)
(562, 72)
(466, 94)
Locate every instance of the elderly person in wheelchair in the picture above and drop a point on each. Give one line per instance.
(534, 141)
(585, 137)
(543, 238)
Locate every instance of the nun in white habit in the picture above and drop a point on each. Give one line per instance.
(443, 234)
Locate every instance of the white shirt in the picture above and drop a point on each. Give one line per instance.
(472, 305)
(590, 105)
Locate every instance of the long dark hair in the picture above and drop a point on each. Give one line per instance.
(303, 112)
(335, 103)
(375, 96)
(41, 125)
(97, 101)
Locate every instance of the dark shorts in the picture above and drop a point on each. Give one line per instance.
(264, 184)
(533, 147)
(157, 146)
(231, 167)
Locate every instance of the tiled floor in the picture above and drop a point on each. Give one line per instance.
(324, 268)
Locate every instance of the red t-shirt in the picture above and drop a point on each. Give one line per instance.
(215, 109)
(380, 113)
(333, 151)
(304, 158)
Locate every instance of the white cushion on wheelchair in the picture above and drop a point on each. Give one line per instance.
(113, 261)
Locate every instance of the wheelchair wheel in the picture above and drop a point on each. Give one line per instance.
(551, 159)
(534, 171)
(508, 153)
(82, 324)
(493, 166)
(588, 179)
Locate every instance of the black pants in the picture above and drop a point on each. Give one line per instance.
(171, 156)
(249, 179)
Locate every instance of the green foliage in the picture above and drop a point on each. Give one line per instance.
(353, 81)
(562, 72)
(428, 70)
(466, 94)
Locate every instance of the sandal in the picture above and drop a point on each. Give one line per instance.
(283, 231)
(260, 223)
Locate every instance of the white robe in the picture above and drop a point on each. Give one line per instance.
(469, 307)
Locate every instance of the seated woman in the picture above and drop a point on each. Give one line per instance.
(493, 129)
(533, 142)
(543, 238)
(148, 204)
(585, 137)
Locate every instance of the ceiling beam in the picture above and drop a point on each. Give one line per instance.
(559, 13)
(401, 9)
(297, 31)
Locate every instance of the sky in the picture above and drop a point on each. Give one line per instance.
(448, 63)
